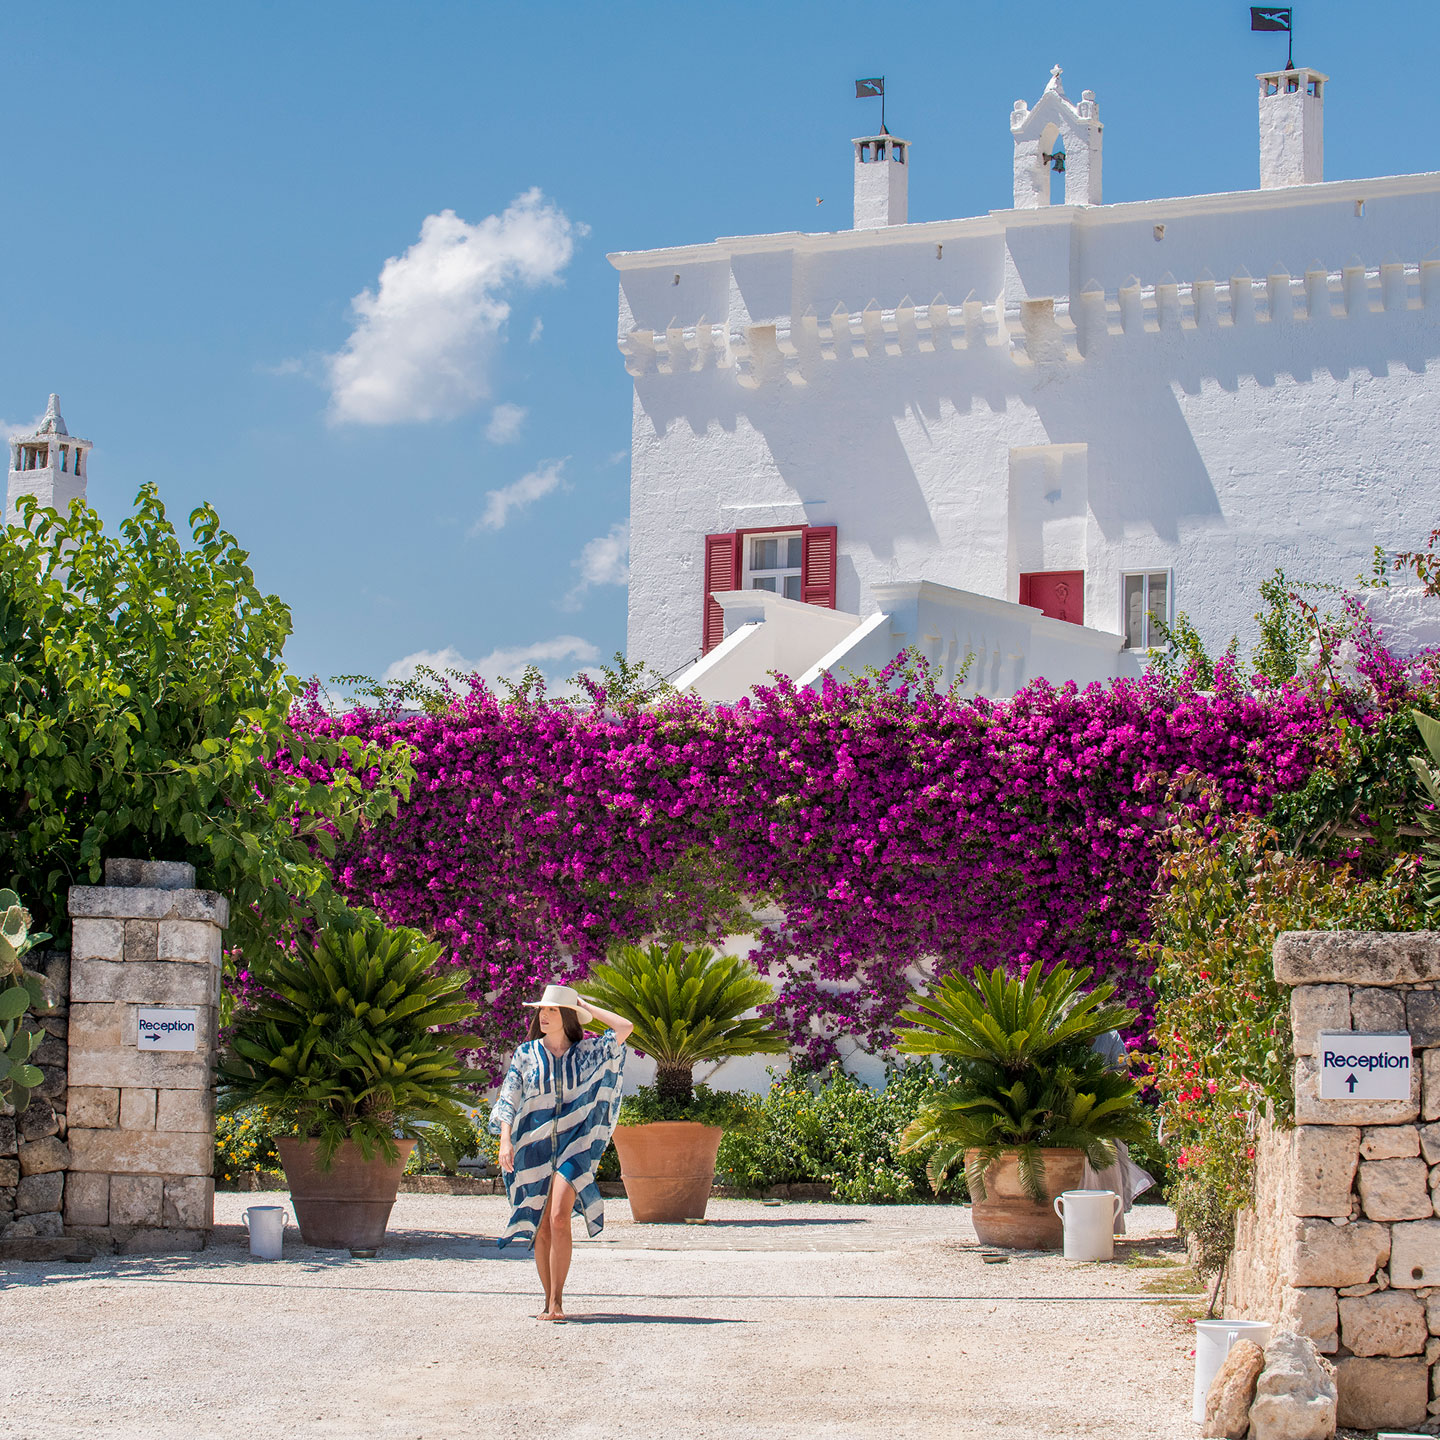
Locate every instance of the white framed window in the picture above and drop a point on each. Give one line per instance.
(773, 562)
(1145, 597)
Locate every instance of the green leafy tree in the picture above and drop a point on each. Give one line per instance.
(686, 1006)
(342, 1042)
(1427, 771)
(144, 712)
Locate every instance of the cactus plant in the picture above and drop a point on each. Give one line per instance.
(20, 992)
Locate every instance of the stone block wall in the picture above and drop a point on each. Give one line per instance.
(1343, 1244)
(141, 1124)
(33, 1152)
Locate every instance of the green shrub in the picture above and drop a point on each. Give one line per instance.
(244, 1141)
(829, 1128)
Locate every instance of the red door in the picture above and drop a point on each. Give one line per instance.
(1060, 594)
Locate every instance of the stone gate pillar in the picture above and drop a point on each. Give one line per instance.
(144, 997)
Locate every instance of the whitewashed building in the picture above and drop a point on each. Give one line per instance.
(52, 465)
(1020, 435)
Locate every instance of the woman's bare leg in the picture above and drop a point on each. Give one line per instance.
(542, 1256)
(556, 1221)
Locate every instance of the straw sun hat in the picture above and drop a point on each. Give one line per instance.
(566, 998)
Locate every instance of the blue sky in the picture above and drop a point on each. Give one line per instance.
(198, 194)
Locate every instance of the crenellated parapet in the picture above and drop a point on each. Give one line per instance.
(1047, 332)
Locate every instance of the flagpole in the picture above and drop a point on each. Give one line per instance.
(883, 130)
(1290, 39)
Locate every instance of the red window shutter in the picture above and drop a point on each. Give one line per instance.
(818, 551)
(722, 572)
(1060, 594)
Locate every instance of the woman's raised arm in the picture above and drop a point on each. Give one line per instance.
(617, 1023)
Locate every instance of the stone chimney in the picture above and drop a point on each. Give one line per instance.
(52, 465)
(1292, 127)
(882, 170)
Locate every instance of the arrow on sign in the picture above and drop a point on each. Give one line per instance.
(1350, 1082)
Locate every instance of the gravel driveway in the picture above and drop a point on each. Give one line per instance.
(791, 1321)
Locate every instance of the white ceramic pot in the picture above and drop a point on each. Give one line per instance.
(266, 1224)
(1213, 1339)
(1089, 1217)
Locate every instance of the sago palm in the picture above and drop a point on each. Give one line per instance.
(686, 1006)
(1025, 1076)
(343, 1042)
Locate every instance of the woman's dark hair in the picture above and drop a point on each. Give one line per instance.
(573, 1029)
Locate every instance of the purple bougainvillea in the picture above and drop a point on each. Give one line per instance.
(891, 827)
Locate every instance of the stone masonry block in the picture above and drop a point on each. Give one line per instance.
(170, 1069)
(1432, 1312)
(113, 1026)
(114, 902)
(1388, 1323)
(36, 1194)
(154, 874)
(144, 984)
(185, 1110)
(1395, 1189)
(94, 1107)
(109, 902)
(1377, 1011)
(191, 940)
(39, 1120)
(1415, 1254)
(1324, 1161)
(1335, 1255)
(137, 1200)
(40, 1157)
(147, 1152)
(137, 1109)
(141, 941)
(190, 1205)
(97, 940)
(1311, 1311)
(1430, 1070)
(1380, 1394)
(1422, 1017)
(1430, 1143)
(1310, 1109)
(8, 1135)
(9, 1174)
(1390, 1142)
(87, 1199)
(1354, 957)
(1314, 1008)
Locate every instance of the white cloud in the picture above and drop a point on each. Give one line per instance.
(423, 339)
(525, 491)
(23, 427)
(604, 560)
(505, 423)
(506, 663)
(537, 329)
(616, 456)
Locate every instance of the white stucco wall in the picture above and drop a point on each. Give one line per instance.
(1102, 388)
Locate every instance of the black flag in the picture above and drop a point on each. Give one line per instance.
(869, 89)
(1268, 17)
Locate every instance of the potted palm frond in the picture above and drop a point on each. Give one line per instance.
(686, 1006)
(342, 1046)
(1030, 1100)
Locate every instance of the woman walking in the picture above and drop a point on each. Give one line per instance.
(555, 1114)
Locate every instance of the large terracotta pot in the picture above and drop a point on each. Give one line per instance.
(668, 1168)
(1008, 1216)
(346, 1207)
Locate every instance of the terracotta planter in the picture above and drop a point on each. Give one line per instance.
(1009, 1217)
(668, 1168)
(346, 1207)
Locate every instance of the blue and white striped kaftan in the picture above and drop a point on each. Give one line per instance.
(562, 1114)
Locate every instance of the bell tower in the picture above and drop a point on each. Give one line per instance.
(1060, 137)
(52, 465)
